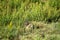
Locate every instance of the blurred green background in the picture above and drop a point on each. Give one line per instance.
(16, 14)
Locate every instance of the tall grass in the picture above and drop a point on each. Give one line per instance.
(13, 13)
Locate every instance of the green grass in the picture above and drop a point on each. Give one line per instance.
(14, 14)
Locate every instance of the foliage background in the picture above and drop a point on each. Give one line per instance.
(14, 13)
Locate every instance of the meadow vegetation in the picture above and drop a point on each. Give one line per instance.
(29, 19)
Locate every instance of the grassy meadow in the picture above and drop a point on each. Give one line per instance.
(29, 19)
